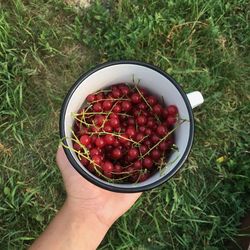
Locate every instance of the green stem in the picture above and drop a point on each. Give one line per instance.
(161, 140)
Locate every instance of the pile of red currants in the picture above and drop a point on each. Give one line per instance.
(124, 133)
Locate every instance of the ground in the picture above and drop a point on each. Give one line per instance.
(46, 45)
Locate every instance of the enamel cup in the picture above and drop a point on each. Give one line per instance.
(156, 81)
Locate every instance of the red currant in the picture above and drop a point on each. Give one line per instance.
(133, 153)
(157, 109)
(131, 132)
(97, 159)
(90, 98)
(76, 146)
(136, 98)
(109, 139)
(126, 106)
(161, 130)
(114, 122)
(107, 105)
(137, 165)
(116, 153)
(85, 140)
(171, 120)
(97, 107)
(107, 167)
(147, 162)
(151, 100)
(141, 120)
(172, 110)
(155, 154)
(100, 143)
(117, 108)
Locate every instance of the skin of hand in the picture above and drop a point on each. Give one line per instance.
(86, 215)
(84, 196)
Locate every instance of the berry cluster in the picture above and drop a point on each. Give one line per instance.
(124, 133)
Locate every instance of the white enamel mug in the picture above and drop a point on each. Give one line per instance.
(156, 81)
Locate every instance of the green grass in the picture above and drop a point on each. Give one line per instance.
(45, 46)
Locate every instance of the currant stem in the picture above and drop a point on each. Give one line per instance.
(161, 140)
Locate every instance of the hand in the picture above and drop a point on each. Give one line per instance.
(83, 196)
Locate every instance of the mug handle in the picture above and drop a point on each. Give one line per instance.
(195, 98)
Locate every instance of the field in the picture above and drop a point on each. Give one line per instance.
(45, 45)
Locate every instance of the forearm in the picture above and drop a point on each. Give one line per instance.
(71, 229)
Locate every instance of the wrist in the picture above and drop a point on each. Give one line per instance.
(82, 213)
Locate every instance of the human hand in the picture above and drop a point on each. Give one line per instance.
(84, 197)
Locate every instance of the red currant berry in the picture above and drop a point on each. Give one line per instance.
(142, 106)
(137, 165)
(109, 139)
(165, 113)
(116, 153)
(117, 108)
(116, 143)
(155, 154)
(107, 167)
(154, 139)
(97, 159)
(97, 107)
(83, 130)
(107, 128)
(113, 115)
(98, 120)
(143, 149)
(116, 93)
(76, 146)
(114, 122)
(150, 123)
(151, 100)
(90, 98)
(94, 151)
(136, 112)
(100, 143)
(144, 177)
(172, 110)
(171, 120)
(131, 132)
(142, 129)
(141, 120)
(148, 131)
(107, 105)
(100, 96)
(147, 162)
(131, 121)
(84, 161)
(126, 106)
(139, 137)
(157, 109)
(143, 91)
(133, 153)
(148, 143)
(161, 130)
(108, 174)
(85, 140)
(117, 168)
(124, 89)
(123, 139)
(95, 129)
(163, 146)
(124, 124)
(136, 98)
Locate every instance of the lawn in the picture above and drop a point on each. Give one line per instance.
(45, 45)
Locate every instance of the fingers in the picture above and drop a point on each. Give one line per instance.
(61, 159)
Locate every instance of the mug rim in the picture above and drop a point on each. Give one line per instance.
(105, 185)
